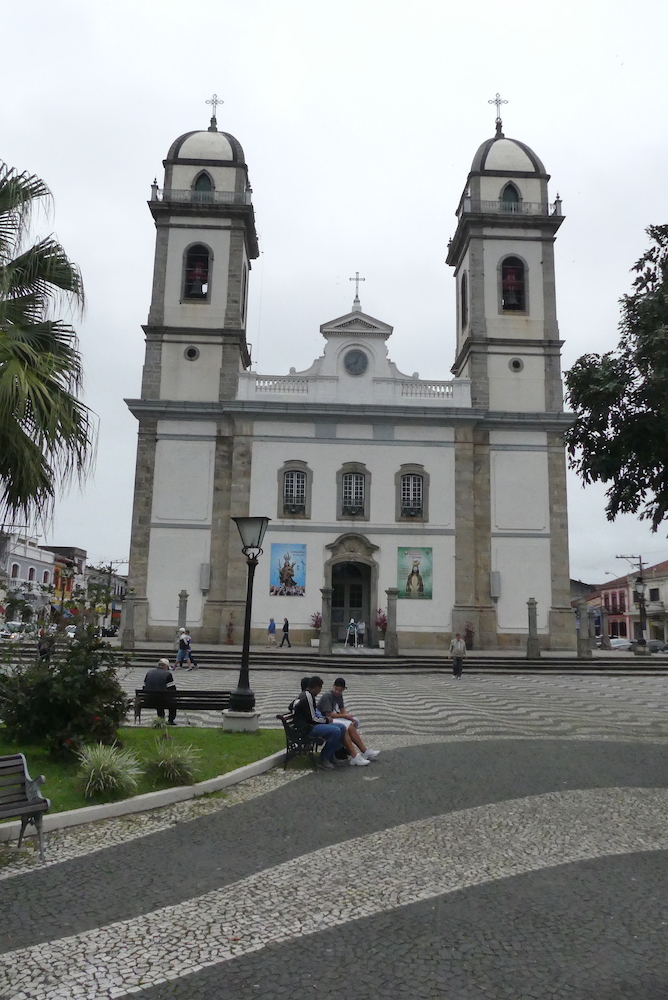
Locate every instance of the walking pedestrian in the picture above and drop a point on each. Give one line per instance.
(286, 633)
(271, 633)
(185, 653)
(458, 654)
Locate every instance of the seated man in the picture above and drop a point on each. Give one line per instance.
(333, 708)
(160, 680)
(308, 720)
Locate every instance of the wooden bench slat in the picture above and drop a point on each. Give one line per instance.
(12, 779)
(20, 796)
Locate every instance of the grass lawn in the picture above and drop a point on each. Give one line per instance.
(221, 752)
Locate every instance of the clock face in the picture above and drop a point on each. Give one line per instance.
(356, 362)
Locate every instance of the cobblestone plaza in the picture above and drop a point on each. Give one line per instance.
(511, 841)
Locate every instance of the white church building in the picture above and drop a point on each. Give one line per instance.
(445, 499)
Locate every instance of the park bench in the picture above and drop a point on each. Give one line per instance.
(20, 797)
(210, 701)
(297, 743)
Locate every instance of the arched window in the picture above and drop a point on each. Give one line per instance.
(31, 573)
(411, 496)
(464, 292)
(513, 292)
(45, 576)
(411, 483)
(510, 199)
(15, 571)
(197, 269)
(203, 188)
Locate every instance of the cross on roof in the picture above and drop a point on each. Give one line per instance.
(214, 101)
(498, 100)
(357, 280)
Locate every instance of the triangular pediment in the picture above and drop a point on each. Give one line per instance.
(356, 322)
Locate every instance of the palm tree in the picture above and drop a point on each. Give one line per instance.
(46, 433)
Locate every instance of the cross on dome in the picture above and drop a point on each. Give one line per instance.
(498, 100)
(214, 102)
(356, 301)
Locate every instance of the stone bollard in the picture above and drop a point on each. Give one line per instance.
(391, 638)
(183, 609)
(533, 644)
(325, 646)
(584, 649)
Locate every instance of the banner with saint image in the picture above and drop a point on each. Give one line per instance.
(414, 573)
(287, 577)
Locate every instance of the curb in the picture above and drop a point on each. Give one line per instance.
(142, 803)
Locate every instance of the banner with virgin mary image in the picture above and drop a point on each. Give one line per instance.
(414, 573)
(287, 576)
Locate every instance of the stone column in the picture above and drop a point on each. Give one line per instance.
(584, 649)
(605, 629)
(325, 647)
(533, 643)
(128, 625)
(391, 638)
(183, 609)
(591, 622)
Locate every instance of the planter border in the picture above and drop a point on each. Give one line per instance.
(142, 803)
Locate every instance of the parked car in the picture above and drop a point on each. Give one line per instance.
(654, 645)
(622, 645)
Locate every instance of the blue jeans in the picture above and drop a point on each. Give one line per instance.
(333, 736)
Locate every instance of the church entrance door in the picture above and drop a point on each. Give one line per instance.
(351, 592)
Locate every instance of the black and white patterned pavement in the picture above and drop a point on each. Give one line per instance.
(511, 841)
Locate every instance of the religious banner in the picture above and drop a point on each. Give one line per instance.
(414, 573)
(287, 576)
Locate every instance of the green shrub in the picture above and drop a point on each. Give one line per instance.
(72, 699)
(108, 771)
(173, 762)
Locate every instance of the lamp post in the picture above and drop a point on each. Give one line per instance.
(640, 591)
(252, 531)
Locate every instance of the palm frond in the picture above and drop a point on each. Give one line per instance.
(45, 272)
(19, 193)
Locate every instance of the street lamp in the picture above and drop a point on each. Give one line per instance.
(252, 531)
(642, 609)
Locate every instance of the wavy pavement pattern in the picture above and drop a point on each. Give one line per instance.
(392, 868)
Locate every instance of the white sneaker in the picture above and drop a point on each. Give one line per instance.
(371, 754)
(359, 760)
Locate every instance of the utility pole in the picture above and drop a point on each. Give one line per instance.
(636, 562)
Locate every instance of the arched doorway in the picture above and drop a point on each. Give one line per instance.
(352, 574)
(351, 596)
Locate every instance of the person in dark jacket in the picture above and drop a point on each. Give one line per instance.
(308, 720)
(160, 680)
(286, 633)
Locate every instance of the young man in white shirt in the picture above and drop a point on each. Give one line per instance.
(333, 708)
(458, 654)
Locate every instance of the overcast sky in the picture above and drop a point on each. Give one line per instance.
(359, 120)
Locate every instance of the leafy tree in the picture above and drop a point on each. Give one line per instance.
(68, 699)
(46, 433)
(620, 398)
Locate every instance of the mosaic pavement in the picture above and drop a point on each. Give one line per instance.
(511, 841)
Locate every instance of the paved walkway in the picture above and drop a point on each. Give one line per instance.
(511, 841)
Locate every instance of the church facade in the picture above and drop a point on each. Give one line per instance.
(445, 498)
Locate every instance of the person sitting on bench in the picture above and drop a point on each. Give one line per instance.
(160, 679)
(308, 720)
(332, 706)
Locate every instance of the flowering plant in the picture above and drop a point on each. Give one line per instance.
(381, 621)
(316, 620)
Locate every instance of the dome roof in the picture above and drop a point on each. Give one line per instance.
(506, 155)
(205, 146)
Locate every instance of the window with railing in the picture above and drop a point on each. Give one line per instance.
(622, 602)
(15, 571)
(606, 600)
(295, 482)
(294, 492)
(510, 199)
(203, 188)
(411, 495)
(353, 494)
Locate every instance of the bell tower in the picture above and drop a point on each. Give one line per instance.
(191, 455)
(512, 538)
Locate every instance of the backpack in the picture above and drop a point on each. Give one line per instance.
(183, 643)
